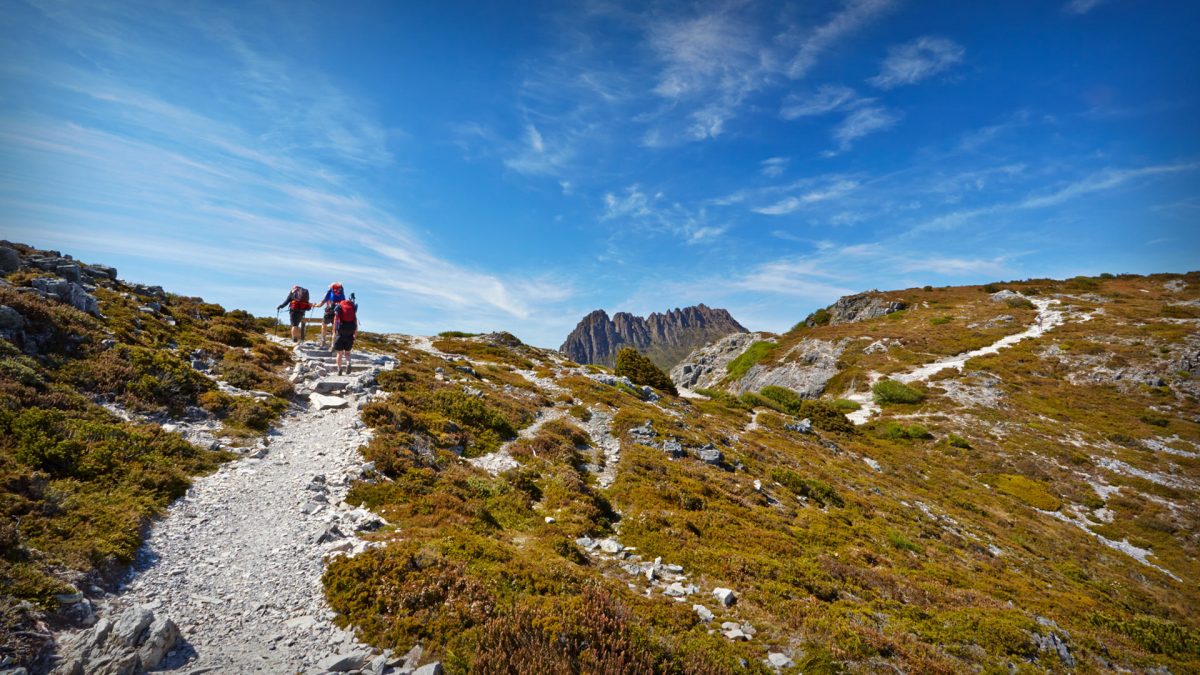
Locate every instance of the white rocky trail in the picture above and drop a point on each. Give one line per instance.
(237, 562)
(1048, 317)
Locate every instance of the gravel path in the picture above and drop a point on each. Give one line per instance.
(1048, 317)
(237, 562)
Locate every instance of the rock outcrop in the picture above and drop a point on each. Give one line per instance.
(705, 366)
(666, 338)
(859, 307)
(805, 369)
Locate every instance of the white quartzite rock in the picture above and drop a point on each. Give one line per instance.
(724, 596)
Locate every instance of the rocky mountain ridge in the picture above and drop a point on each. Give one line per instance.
(664, 337)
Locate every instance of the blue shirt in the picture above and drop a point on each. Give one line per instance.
(332, 296)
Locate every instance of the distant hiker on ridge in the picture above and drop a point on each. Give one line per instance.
(333, 296)
(345, 329)
(298, 304)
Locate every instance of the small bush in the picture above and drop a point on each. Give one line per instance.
(456, 334)
(958, 442)
(927, 288)
(902, 542)
(845, 405)
(1020, 303)
(940, 320)
(738, 367)
(724, 398)
(899, 432)
(821, 317)
(891, 391)
(641, 370)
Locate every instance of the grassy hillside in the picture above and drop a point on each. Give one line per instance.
(77, 482)
(1037, 511)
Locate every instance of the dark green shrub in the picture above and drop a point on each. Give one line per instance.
(821, 317)
(1020, 303)
(845, 405)
(958, 442)
(641, 370)
(898, 432)
(456, 334)
(891, 391)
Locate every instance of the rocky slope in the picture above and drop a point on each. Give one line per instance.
(665, 338)
(1016, 492)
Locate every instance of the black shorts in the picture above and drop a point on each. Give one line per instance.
(297, 316)
(344, 342)
(329, 314)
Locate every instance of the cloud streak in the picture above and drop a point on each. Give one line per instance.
(914, 61)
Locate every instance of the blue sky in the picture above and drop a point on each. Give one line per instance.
(513, 167)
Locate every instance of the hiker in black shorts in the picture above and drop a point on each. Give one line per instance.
(297, 304)
(333, 296)
(345, 329)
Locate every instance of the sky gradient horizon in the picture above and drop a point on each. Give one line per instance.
(513, 168)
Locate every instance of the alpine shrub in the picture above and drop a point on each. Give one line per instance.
(641, 370)
(891, 391)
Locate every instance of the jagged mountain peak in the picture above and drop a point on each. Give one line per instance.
(665, 337)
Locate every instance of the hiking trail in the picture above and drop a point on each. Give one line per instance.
(237, 561)
(1048, 317)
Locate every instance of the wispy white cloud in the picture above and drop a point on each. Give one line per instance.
(1082, 6)
(826, 99)
(811, 44)
(1100, 181)
(834, 190)
(653, 213)
(773, 167)
(863, 122)
(914, 61)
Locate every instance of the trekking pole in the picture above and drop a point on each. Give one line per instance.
(276, 322)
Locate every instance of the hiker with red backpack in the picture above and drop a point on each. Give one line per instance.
(333, 296)
(345, 329)
(298, 305)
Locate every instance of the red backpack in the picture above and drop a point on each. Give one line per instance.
(346, 312)
(300, 299)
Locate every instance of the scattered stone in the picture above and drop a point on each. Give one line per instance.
(321, 402)
(710, 455)
(611, 546)
(329, 386)
(703, 612)
(804, 426)
(1004, 295)
(779, 660)
(725, 596)
(673, 447)
(550, 520)
(341, 663)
